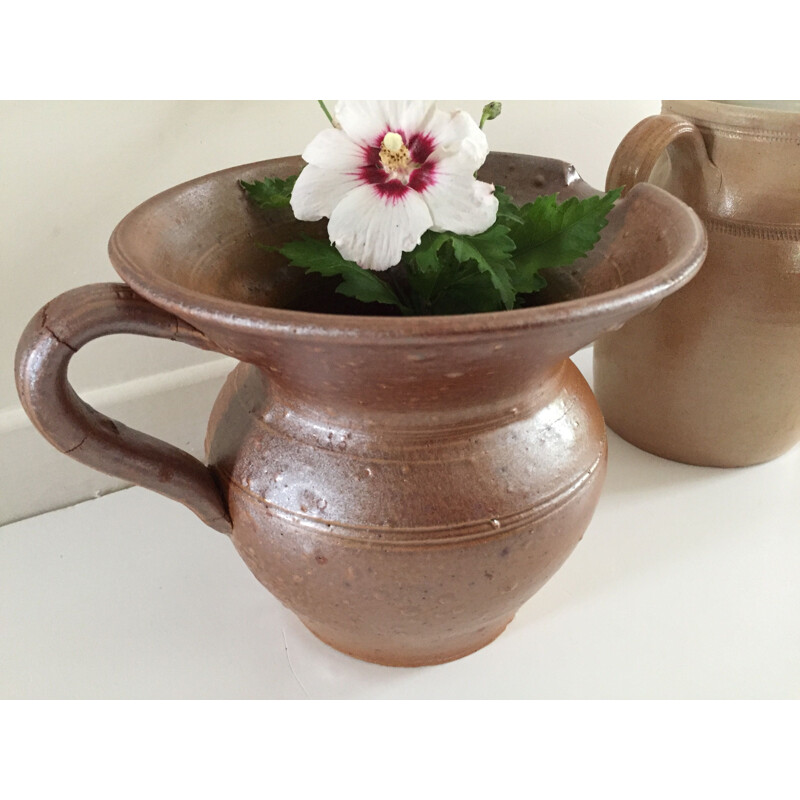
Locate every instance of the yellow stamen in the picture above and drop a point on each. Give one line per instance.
(393, 141)
(394, 154)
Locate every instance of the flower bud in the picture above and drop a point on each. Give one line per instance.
(492, 110)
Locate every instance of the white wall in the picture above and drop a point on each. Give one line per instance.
(69, 171)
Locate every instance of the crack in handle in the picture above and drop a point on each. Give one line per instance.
(45, 349)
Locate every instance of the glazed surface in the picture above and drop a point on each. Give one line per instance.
(408, 545)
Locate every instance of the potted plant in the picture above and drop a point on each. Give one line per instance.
(405, 452)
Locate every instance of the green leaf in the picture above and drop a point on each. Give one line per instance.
(428, 267)
(271, 192)
(555, 235)
(508, 213)
(443, 259)
(491, 251)
(315, 255)
(451, 273)
(426, 253)
(471, 293)
(431, 281)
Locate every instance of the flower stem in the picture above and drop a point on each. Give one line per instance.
(325, 109)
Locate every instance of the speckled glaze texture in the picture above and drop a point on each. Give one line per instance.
(712, 376)
(402, 484)
(410, 536)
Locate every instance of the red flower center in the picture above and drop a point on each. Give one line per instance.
(392, 180)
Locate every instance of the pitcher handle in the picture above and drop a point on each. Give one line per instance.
(47, 345)
(641, 148)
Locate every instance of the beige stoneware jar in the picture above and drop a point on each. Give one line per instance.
(712, 375)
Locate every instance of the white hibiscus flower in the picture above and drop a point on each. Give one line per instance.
(388, 172)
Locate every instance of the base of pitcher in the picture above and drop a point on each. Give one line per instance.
(405, 655)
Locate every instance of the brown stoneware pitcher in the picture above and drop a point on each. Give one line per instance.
(712, 376)
(402, 484)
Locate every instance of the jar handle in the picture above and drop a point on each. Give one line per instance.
(638, 152)
(47, 345)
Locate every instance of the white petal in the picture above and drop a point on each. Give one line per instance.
(460, 204)
(458, 133)
(374, 231)
(364, 121)
(408, 116)
(318, 191)
(334, 149)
